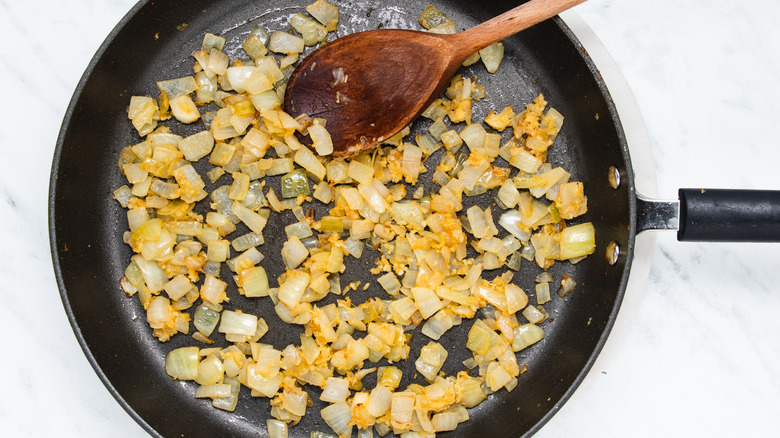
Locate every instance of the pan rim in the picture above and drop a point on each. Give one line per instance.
(629, 179)
(629, 253)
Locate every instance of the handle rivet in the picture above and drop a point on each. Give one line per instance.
(613, 252)
(614, 177)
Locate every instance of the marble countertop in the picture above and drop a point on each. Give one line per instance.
(696, 348)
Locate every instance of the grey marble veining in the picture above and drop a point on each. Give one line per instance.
(696, 351)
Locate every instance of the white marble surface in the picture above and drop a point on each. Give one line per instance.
(696, 351)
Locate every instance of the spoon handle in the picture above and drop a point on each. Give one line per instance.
(509, 23)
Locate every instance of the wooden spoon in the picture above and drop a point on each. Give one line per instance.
(370, 85)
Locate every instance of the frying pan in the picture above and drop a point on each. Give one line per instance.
(154, 41)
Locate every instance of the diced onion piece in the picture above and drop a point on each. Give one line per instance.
(389, 283)
(178, 287)
(524, 160)
(257, 380)
(474, 136)
(184, 109)
(508, 194)
(533, 315)
(407, 212)
(445, 421)
(432, 17)
(336, 390)
(197, 145)
(379, 401)
(567, 285)
(338, 416)
(254, 282)
(321, 140)
(479, 338)
(306, 159)
(410, 163)
(154, 276)
(516, 298)
(294, 401)
(372, 196)
(360, 172)
(291, 291)
(549, 178)
(294, 252)
(210, 372)
(213, 391)
(526, 335)
(276, 429)
(311, 31)
(480, 226)
(472, 393)
(206, 318)
(174, 88)
(285, 43)
(213, 290)
(253, 220)
(402, 410)
(354, 247)
(491, 56)
(437, 325)
(266, 100)
(238, 323)
(325, 13)
(182, 363)
(426, 301)
(542, 292)
(577, 241)
(496, 376)
(432, 357)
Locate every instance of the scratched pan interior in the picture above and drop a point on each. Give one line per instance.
(154, 42)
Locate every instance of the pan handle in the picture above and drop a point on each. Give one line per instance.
(715, 215)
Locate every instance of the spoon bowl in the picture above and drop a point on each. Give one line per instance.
(370, 85)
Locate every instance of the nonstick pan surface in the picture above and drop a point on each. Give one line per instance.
(153, 42)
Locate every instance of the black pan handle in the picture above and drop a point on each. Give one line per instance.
(715, 215)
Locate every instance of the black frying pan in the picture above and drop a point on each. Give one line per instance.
(153, 42)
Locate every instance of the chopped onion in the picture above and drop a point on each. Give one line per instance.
(526, 335)
(411, 161)
(306, 159)
(577, 241)
(321, 140)
(283, 42)
(291, 291)
(542, 292)
(276, 428)
(213, 391)
(401, 410)
(294, 252)
(533, 315)
(445, 421)
(182, 363)
(206, 318)
(336, 390)
(379, 401)
(238, 323)
(567, 285)
(174, 88)
(426, 301)
(491, 56)
(325, 13)
(154, 276)
(210, 372)
(338, 416)
(432, 357)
